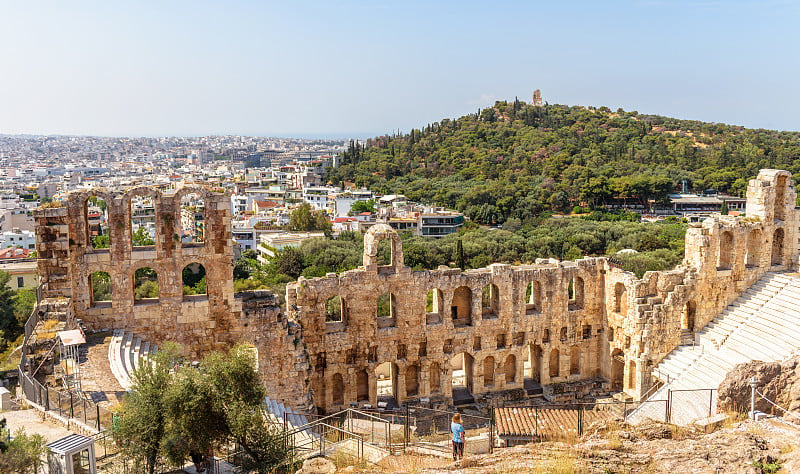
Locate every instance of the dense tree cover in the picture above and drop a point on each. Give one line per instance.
(660, 246)
(173, 410)
(304, 218)
(518, 161)
(15, 308)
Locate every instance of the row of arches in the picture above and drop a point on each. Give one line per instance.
(753, 249)
(190, 227)
(145, 286)
(460, 309)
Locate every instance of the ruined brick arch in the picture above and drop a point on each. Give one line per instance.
(374, 235)
(725, 251)
(755, 242)
(777, 246)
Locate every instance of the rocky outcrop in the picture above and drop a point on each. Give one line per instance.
(780, 382)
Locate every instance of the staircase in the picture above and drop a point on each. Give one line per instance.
(126, 353)
(762, 324)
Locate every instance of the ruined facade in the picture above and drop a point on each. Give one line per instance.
(384, 330)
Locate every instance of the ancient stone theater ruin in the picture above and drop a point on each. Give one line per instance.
(568, 328)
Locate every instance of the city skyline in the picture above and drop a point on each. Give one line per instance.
(357, 69)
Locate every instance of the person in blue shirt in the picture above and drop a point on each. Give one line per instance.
(458, 437)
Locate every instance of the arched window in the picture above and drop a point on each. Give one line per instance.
(461, 365)
(386, 310)
(193, 221)
(777, 247)
(386, 374)
(412, 381)
(574, 360)
(145, 285)
(724, 256)
(435, 378)
(533, 298)
(554, 361)
(510, 368)
(575, 291)
(546, 335)
(362, 386)
(194, 280)
(433, 305)
(100, 287)
(337, 389)
(461, 307)
(96, 211)
(490, 301)
(143, 221)
(334, 309)
(488, 371)
(754, 243)
(620, 298)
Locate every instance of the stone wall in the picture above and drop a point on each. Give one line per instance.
(384, 328)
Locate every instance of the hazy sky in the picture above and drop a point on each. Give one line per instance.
(338, 68)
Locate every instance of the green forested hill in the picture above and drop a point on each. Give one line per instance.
(517, 161)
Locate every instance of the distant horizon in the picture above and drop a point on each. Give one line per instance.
(325, 69)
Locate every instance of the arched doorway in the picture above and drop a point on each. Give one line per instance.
(412, 381)
(362, 386)
(689, 313)
(461, 306)
(555, 360)
(725, 253)
(754, 242)
(337, 390)
(488, 372)
(386, 375)
(461, 380)
(780, 198)
(617, 370)
(510, 368)
(777, 247)
(574, 360)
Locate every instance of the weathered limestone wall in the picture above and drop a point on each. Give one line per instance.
(199, 323)
(491, 327)
(621, 329)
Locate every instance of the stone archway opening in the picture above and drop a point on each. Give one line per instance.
(334, 309)
(688, 317)
(96, 213)
(488, 371)
(435, 378)
(362, 386)
(754, 243)
(386, 375)
(461, 366)
(631, 376)
(533, 298)
(337, 390)
(461, 307)
(194, 280)
(725, 253)
(510, 368)
(100, 288)
(412, 380)
(555, 360)
(617, 370)
(434, 302)
(193, 220)
(575, 293)
(620, 298)
(533, 365)
(490, 301)
(143, 221)
(145, 286)
(777, 247)
(574, 360)
(386, 310)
